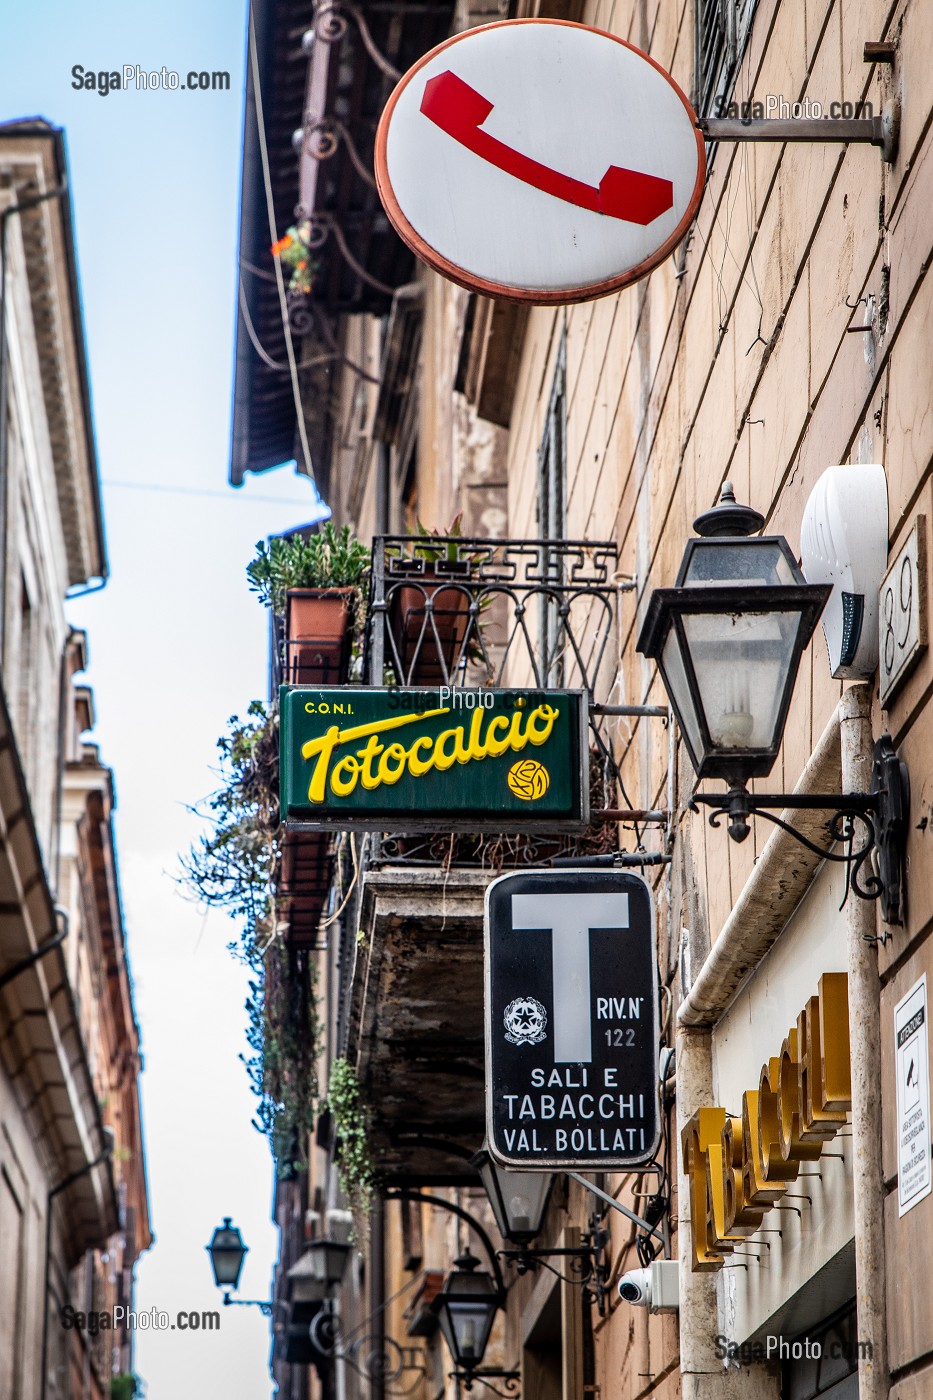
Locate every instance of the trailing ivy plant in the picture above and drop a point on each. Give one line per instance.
(284, 1035)
(351, 1126)
(231, 867)
(234, 867)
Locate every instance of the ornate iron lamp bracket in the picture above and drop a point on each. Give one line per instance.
(511, 1380)
(587, 1260)
(872, 826)
(373, 1355)
(266, 1308)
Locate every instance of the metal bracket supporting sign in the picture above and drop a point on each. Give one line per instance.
(882, 131)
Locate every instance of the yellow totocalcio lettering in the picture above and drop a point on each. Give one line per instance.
(373, 764)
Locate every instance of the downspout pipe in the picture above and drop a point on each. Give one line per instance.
(48, 946)
(32, 202)
(698, 1314)
(383, 478)
(865, 1055)
(69, 1180)
(377, 1295)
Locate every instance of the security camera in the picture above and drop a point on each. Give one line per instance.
(635, 1287)
(656, 1288)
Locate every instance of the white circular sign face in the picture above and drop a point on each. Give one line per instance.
(540, 160)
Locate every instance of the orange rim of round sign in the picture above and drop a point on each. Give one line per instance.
(564, 295)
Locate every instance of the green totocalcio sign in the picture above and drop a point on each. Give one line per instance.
(445, 758)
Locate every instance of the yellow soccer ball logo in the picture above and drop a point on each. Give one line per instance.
(529, 779)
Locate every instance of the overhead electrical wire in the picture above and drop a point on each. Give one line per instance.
(166, 489)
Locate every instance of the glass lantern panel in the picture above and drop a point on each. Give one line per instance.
(472, 1323)
(742, 662)
(335, 1254)
(525, 1196)
(227, 1265)
(678, 688)
(747, 563)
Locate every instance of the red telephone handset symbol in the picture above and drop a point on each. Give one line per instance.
(459, 110)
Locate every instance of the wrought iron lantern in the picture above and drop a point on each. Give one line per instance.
(728, 639)
(518, 1199)
(227, 1252)
(467, 1307)
(305, 1284)
(327, 1260)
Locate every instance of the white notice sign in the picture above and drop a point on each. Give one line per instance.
(911, 1066)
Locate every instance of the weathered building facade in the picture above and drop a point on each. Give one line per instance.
(787, 334)
(73, 1200)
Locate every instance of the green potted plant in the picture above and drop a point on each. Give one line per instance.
(314, 585)
(425, 657)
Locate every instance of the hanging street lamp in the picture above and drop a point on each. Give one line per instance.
(466, 1308)
(326, 1260)
(227, 1252)
(728, 639)
(518, 1199)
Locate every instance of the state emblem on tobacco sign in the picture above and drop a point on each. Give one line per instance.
(525, 1020)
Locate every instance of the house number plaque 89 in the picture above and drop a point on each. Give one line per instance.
(902, 637)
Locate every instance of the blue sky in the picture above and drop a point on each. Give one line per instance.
(177, 643)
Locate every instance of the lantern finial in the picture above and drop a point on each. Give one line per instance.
(728, 517)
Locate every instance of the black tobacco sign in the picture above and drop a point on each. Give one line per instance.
(571, 1020)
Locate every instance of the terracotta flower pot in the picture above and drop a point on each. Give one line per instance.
(318, 635)
(420, 651)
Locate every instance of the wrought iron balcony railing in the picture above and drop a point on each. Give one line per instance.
(446, 610)
(452, 611)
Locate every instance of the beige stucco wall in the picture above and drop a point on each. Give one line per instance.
(733, 360)
(670, 392)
